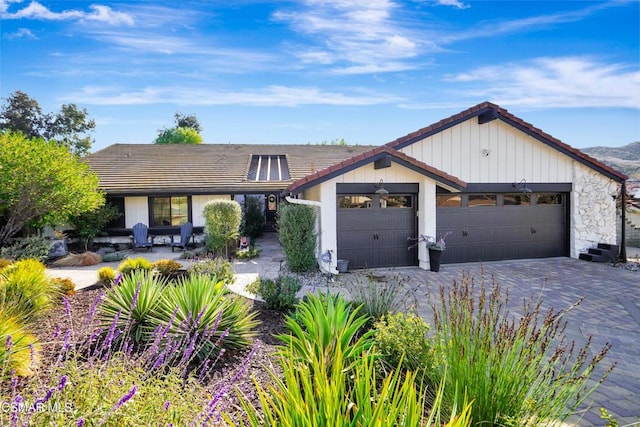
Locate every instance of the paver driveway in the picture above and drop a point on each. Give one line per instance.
(610, 313)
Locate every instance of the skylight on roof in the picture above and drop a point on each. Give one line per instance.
(268, 168)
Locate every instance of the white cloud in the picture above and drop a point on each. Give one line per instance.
(37, 11)
(275, 95)
(557, 82)
(21, 33)
(455, 3)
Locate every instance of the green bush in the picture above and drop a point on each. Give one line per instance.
(401, 340)
(219, 268)
(253, 219)
(166, 266)
(114, 256)
(320, 325)
(133, 264)
(279, 294)
(518, 372)
(32, 247)
(198, 303)
(131, 306)
(65, 286)
(16, 349)
(297, 234)
(222, 224)
(249, 253)
(377, 298)
(25, 290)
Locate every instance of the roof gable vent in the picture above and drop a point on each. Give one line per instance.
(273, 167)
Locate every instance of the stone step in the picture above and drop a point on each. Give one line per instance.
(590, 257)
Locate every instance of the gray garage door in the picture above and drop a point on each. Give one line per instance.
(373, 230)
(490, 227)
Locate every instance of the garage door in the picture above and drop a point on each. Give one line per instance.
(373, 230)
(491, 227)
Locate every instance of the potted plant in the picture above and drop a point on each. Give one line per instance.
(435, 247)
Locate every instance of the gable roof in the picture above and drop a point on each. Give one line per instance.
(486, 112)
(377, 153)
(143, 169)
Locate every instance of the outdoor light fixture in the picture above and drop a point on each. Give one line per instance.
(380, 188)
(522, 186)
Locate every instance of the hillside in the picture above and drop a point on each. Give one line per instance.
(626, 159)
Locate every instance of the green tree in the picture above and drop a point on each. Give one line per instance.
(41, 183)
(69, 127)
(186, 131)
(90, 224)
(222, 220)
(297, 234)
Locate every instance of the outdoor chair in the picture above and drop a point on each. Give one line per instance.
(186, 233)
(141, 238)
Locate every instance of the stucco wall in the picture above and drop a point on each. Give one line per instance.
(593, 210)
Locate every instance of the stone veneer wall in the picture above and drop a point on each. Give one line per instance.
(593, 210)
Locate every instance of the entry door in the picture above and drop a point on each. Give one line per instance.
(373, 230)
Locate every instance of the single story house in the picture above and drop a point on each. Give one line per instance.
(496, 186)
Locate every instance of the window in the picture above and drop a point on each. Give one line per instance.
(549, 199)
(118, 203)
(354, 202)
(448, 201)
(395, 201)
(476, 200)
(516, 199)
(169, 211)
(268, 168)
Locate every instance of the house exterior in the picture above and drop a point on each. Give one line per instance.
(496, 186)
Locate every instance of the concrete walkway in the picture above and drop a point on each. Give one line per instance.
(610, 311)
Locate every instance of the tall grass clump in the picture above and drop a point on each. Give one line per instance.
(378, 297)
(25, 290)
(518, 371)
(18, 349)
(219, 268)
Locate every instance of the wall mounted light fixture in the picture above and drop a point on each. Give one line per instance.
(522, 186)
(380, 188)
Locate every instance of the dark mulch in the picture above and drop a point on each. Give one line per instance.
(271, 323)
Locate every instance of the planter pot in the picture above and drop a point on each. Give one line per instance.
(434, 260)
(343, 264)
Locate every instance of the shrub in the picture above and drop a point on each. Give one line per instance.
(18, 349)
(219, 268)
(401, 340)
(106, 275)
(322, 324)
(130, 306)
(222, 224)
(32, 247)
(296, 232)
(166, 267)
(132, 264)
(377, 297)
(65, 286)
(253, 219)
(249, 253)
(279, 294)
(90, 224)
(198, 304)
(114, 256)
(5, 262)
(522, 372)
(25, 290)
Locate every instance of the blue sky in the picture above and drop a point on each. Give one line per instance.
(366, 71)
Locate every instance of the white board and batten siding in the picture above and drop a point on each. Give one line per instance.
(197, 205)
(493, 152)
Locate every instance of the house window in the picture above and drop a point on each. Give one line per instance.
(268, 168)
(354, 202)
(448, 201)
(169, 211)
(549, 199)
(476, 200)
(394, 201)
(118, 203)
(516, 199)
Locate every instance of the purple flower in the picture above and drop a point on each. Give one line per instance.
(67, 307)
(80, 423)
(46, 397)
(8, 343)
(124, 399)
(32, 352)
(118, 279)
(63, 382)
(134, 301)
(56, 332)
(166, 405)
(92, 310)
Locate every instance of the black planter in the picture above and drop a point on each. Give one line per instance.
(434, 260)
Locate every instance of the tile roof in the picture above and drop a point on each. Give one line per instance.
(504, 115)
(369, 157)
(141, 169)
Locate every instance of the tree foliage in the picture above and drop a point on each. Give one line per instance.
(69, 127)
(90, 224)
(41, 183)
(222, 223)
(186, 131)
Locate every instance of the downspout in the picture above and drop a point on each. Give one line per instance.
(622, 256)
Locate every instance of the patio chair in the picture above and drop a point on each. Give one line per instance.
(141, 238)
(186, 233)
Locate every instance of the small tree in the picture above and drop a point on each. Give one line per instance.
(297, 234)
(222, 220)
(91, 224)
(41, 183)
(253, 222)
